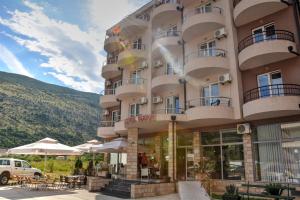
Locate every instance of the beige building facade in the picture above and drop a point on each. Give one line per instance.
(194, 79)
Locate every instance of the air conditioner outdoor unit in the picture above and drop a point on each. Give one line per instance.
(225, 78)
(106, 112)
(243, 128)
(220, 33)
(143, 100)
(107, 83)
(144, 65)
(158, 63)
(157, 100)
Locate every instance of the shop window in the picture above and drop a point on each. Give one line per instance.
(226, 152)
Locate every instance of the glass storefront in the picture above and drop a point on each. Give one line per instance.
(185, 156)
(277, 152)
(225, 149)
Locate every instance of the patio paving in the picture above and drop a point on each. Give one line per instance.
(17, 193)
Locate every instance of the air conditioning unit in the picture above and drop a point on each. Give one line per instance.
(156, 100)
(243, 128)
(105, 112)
(220, 33)
(158, 64)
(143, 100)
(108, 83)
(225, 78)
(144, 65)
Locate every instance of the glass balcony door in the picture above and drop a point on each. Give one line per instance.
(266, 32)
(210, 94)
(270, 84)
(172, 105)
(207, 49)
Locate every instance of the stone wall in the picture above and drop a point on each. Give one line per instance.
(152, 190)
(94, 184)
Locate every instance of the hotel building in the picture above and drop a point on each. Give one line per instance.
(213, 79)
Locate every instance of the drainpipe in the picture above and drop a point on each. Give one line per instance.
(120, 102)
(173, 118)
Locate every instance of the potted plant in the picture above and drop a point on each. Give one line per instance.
(274, 189)
(232, 193)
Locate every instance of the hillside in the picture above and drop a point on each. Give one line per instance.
(31, 110)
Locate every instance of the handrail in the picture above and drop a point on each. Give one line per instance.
(109, 123)
(272, 90)
(108, 92)
(134, 81)
(161, 2)
(110, 61)
(168, 33)
(210, 52)
(236, 2)
(195, 11)
(265, 36)
(209, 101)
(135, 46)
(170, 110)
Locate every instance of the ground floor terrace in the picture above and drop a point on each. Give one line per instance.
(270, 152)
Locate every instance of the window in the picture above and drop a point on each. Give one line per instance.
(137, 44)
(18, 164)
(277, 152)
(270, 84)
(210, 95)
(26, 164)
(204, 8)
(4, 162)
(134, 110)
(207, 49)
(172, 31)
(115, 115)
(266, 32)
(225, 150)
(136, 77)
(172, 105)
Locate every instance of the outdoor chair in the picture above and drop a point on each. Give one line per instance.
(14, 180)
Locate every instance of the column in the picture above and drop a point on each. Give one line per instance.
(196, 146)
(172, 151)
(132, 151)
(158, 147)
(248, 158)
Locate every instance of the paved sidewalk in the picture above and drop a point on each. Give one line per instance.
(16, 193)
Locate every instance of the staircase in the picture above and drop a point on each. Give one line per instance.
(118, 188)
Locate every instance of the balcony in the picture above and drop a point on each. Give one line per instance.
(266, 48)
(133, 25)
(200, 22)
(209, 111)
(110, 69)
(108, 99)
(106, 129)
(120, 127)
(131, 88)
(163, 11)
(112, 44)
(165, 83)
(246, 11)
(133, 54)
(272, 101)
(206, 62)
(166, 42)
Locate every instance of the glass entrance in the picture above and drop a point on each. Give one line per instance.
(185, 163)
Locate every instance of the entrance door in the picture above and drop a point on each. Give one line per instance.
(185, 163)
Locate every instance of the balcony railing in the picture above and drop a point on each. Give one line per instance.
(171, 110)
(110, 61)
(272, 90)
(211, 52)
(164, 34)
(109, 123)
(134, 81)
(136, 46)
(236, 2)
(162, 2)
(196, 11)
(108, 92)
(209, 101)
(266, 36)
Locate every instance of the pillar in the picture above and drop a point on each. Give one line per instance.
(196, 146)
(248, 158)
(132, 154)
(158, 147)
(172, 151)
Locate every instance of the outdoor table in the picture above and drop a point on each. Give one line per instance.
(73, 179)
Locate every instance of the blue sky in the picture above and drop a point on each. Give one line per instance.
(59, 41)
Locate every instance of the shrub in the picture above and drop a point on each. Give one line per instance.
(232, 193)
(274, 189)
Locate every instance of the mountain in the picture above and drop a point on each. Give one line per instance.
(31, 110)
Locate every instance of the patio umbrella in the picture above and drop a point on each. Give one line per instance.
(118, 146)
(46, 146)
(86, 147)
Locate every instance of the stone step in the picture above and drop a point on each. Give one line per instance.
(192, 190)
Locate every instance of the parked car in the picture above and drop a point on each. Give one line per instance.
(11, 166)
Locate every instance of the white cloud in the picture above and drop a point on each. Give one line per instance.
(72, 53)
(12, 62)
